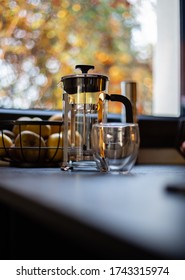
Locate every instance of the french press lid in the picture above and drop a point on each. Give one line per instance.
(84, 82)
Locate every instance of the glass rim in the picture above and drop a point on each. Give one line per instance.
(115, 124)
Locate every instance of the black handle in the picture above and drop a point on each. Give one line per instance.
(84, 68)
(128, 106)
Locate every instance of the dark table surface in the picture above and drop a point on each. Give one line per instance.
(134, 209)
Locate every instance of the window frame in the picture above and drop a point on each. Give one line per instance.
(155, 132)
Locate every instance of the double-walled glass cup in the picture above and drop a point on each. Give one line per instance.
(115, 146)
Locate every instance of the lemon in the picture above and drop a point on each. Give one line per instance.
(5, 143)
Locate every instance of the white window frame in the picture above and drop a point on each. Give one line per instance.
(166, 76)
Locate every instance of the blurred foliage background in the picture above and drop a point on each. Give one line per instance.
(42, 40)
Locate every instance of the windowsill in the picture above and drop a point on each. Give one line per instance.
(159, 156)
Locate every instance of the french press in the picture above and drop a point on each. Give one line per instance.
(85, 102)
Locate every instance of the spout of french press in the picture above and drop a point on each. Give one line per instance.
(84, 68)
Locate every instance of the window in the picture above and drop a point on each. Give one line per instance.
(43, 40)
(40, 41)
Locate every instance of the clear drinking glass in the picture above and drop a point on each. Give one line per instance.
(115, 146)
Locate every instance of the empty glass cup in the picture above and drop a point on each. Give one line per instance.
(115, 146)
